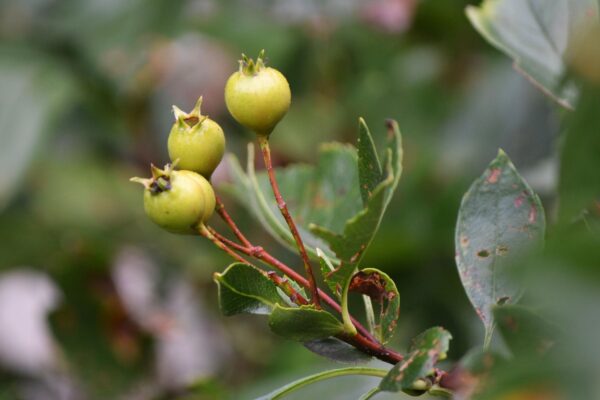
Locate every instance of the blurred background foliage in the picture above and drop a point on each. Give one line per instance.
(86, 89)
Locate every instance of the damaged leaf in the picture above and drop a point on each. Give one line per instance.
(500, 218)
(383, 292)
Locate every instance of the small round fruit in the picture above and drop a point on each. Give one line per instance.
(175, 200)
(197, 141)
(257, 96)
(210, 200)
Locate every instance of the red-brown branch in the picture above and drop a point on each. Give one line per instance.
(229, 221)
(266, 151)
(261, 254)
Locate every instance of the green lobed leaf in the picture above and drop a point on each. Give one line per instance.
(524, 331)
(350, 245)
(383, 292)
(500, 217)
(245, 289)
(325, 199)
(536, 34)
(337, 350)
(425, 351)
(303, 323)
(327, 193)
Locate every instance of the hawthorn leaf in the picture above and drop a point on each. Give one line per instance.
(383, 292)
(350, 245)
(303, 323)
(337, 350)
(425, 351)
(327, 193)
(536, 35)
(500, 218)
(245, 289)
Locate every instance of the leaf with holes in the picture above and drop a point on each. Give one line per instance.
(500, 218)
(245, 289)
(524, 331)
(303, 323)
(536, 34)
(383, 292)
(425, 351)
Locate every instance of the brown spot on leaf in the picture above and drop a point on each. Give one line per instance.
(464, 241)
(494, 175)
(501, 250)
(483, 253)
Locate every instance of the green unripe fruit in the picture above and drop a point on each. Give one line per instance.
(210, 200)
(197, 141)
(257, 96)
(176, 200)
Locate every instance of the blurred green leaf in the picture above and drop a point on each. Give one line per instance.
(336, 350)
(382, 291)
(579, 186)
(524, 331)
(33, 93)
(425, 351)
(536, 34)
(245, 289)
(499, 218)
(303, 323)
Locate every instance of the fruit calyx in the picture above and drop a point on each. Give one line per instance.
(250, 67)
(191, 119)
(161, 178)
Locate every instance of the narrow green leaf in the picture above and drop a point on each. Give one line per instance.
(300, 383)
(303, 323)
(383, 292)
(370, 173)
(425, 351)
(500, 218)
(536, 34)
(336, 350)
(244, 289)
(524, 331)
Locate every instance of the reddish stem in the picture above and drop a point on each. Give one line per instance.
(261, 254)
(204, 231)
(266, 151)
(227, 218)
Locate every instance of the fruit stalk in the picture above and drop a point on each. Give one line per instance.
(229, 221)
(204, 231)
(266, 151)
